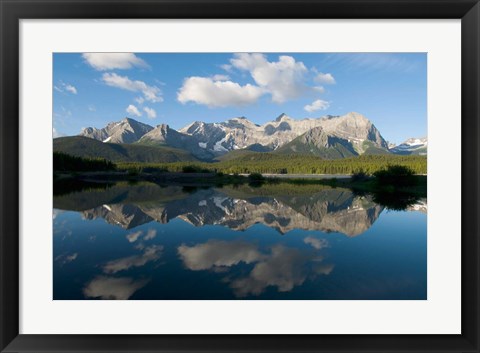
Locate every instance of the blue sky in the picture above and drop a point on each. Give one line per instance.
(93, 89)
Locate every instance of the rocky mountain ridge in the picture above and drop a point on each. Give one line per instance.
(328, 137)
(240, 133)
(124, 131)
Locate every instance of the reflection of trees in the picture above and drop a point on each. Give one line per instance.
(397, 201)
(67, 186)
(393, 200)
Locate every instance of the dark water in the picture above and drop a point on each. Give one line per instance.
(145, 241)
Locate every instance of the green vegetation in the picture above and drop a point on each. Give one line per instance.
(236, 154)
(89, 148)
(65, 162)
(195, 169)
(292, 164)
(359, 176)
(394, 186)
(137, 158)
(307, 164)
(371, 149)
(395, 175)
(256, 177)
(336, 151)
(392, 180)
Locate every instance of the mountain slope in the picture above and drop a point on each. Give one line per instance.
(163, 135)
(124, 131)
(317, 142)
(355, 128)
(89, 148)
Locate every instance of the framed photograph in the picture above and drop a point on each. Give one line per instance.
(239, 176)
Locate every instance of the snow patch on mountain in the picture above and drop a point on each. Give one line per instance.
(412, 145)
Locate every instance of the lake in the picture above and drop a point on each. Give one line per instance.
(273, 242)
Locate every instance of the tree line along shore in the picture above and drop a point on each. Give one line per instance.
(262, 163)
(367, 173)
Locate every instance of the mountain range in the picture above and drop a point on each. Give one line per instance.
(328, 137)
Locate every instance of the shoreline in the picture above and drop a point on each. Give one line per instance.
(304, 176)
(367, 185)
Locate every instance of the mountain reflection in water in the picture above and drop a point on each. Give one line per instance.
(328, 210)
(270, 242)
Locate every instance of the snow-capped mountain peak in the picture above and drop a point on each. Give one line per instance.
(413, 145)
(124, 131)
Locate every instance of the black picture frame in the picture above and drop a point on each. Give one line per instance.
(14, 10)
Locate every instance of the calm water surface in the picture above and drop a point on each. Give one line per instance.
(145, 241)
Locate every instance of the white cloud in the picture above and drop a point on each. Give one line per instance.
(220, 77)
(204, 90)
(65, 258)
(111, 61)
(151, 113)
(64, 88)
(151, 233)
(150, 93)
(151, 253)
(132, 237)
(132, 110)
(218, 253)
(317, 105)
(283, 79)
(71, 89)
(226, 67)
(139, 100)
(283, 267)
(325, 78)
(316, 243)
(56, 133)
(119, 288)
